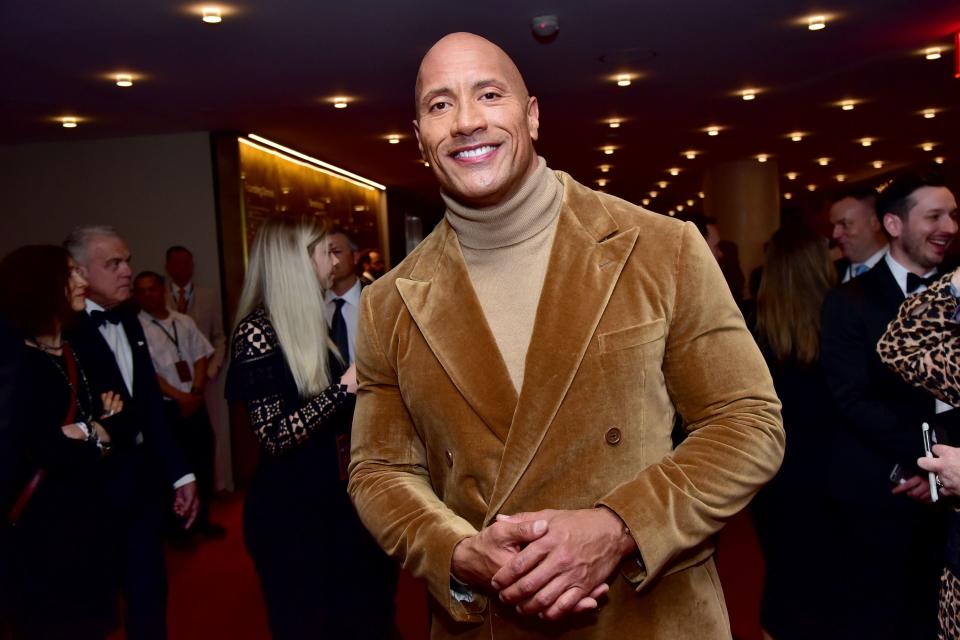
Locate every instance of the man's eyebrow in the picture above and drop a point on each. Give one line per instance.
(433, 93)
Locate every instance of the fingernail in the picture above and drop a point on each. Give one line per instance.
(496, 585)
(539, 526)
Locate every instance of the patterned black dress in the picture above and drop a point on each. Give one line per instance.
(321, 573)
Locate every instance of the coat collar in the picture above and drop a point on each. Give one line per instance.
(589, 252)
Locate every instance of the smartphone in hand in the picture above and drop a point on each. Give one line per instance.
(929, 439)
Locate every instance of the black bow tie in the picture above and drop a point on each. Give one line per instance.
(100, 317)
(914, 282)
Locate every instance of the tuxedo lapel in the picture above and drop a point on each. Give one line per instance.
(443, 304)
(96, 356)
(586, 260)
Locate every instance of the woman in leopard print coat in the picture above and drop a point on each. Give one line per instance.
(923, 345)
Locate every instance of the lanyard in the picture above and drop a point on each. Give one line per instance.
(175, 339)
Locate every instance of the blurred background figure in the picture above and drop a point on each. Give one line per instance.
(61, 548)
(180, 355)
(371, 266)
(321, 573)
(857, 231)
(789, 512)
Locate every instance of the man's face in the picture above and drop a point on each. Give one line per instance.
(107, 271)
(855, 228)
(180, 267)
(931, 224)
(149, 295)
(377, 267)
(475, 123)
(343, 271)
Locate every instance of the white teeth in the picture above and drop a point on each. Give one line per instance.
(473, 153)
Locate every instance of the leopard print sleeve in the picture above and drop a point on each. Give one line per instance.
(922, 343)
(257, 378)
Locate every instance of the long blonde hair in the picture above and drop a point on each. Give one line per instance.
(797, 275)
(282, 278)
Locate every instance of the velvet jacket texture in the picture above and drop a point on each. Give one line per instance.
(634, 323)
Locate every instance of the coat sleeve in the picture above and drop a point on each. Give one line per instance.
(922, 343)
(390, 482)
(720, 384)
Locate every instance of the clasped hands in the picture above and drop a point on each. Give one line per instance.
(547, 563)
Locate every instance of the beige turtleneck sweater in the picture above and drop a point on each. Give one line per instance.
(506, 249)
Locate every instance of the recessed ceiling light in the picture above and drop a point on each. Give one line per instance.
(823, 161)
(792, 175)
(840, 177)
(690, 154)
(340, 102)
(614, 123)
(796, 136)
(605, 168)
(426, 164)
(211, 15)
(748, 94)
(393, 138)
(866, 142)
(713, 131)
(68, 122)
(787, 195)
(124, 80)
(663, 184)
(939, 159)
(848, 105)
(877, 164)
(929, 113)
(762, 157)
(700, 195)
(928, 146)
(653, 194)
(645, 201)
(674, 171)
(679, 207)
(811, 187)
(815, 23)
(691, 202)
(670, 213)
(609, 150)
(602, 182)
(932, 53)
(624, 79)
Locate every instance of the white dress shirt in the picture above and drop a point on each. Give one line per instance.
(900, 274)
(869, 263)
(350, 311)
(191, 345)
(117, 340)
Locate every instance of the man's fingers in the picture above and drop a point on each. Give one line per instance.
(567, 602)
(538, 571)
(930, 464)
(599, 591)
(521, 564)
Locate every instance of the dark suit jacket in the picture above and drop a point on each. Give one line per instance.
(11, 347)
(841, 266)
(143, 412)
(880, 413)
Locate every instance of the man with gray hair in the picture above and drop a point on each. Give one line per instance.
(146, 462)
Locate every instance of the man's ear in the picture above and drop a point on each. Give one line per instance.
(416, 132)
(893, 224)
(533, 117)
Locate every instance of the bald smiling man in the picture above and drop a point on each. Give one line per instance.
(519, 376)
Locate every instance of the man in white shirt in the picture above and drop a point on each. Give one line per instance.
(181, 355)
(857, 231)
(146, 461)
(343, 297)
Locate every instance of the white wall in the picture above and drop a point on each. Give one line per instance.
(156, 190)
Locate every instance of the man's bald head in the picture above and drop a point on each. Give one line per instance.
(459, 44)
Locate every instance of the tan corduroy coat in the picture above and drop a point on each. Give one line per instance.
(635, 322)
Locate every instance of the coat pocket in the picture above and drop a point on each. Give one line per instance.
(633, 336)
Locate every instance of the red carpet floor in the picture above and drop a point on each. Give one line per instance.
(214, 592)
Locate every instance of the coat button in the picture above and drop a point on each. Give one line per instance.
(449, 456)
(612, 436)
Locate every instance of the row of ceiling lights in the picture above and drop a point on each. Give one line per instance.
(814, 23)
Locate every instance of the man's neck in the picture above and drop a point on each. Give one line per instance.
(340, 287)
(159, 314)
(106, 304)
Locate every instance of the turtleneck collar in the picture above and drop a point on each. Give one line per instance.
(524, 215)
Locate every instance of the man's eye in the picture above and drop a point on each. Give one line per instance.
(490, 95)
(439, 106)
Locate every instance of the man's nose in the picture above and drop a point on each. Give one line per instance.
(468, 119)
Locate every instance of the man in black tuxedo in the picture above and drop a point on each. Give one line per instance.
(146, 463)
(857, 231)
(888, 537)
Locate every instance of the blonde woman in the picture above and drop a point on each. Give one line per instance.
(321, 573)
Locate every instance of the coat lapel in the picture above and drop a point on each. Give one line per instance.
(586, 260)
(441, 299)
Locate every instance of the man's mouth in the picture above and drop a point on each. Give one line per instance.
(474, 154)
(940, 243)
